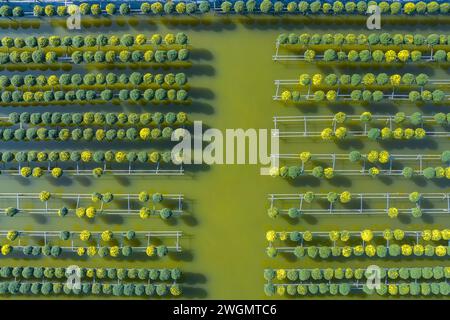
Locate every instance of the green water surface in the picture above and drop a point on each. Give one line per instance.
(231, 81)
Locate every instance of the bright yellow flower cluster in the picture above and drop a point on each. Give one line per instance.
(305, 156)
(393, 212)
(345, 197)
(271, 235)
(286, 95)
(366, 235)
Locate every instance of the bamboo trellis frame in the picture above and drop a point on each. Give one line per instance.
(411, 234)
(319, 57)
(303, 121)
(347, 97)
(360, 198)
(145, 235)
(18, 197)
(116, 172)
(387, 169)
(357, 285)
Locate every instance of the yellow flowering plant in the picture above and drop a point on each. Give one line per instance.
(307, 236)
(114, 251)
(305, 156)
(408, 133)
(271, 236)
(120, 156)
(6, 249)
(328, 173)
(81, 251)
(358, 250)
(326, 134)
(144, 213)
(373, 156)
(91, 212)
(37, 172)
(392, 212)
(384, 157)
(286, 95)
(418, 250)
(407, 250)
(334, 235)
(281, 290)
(426, 235)
(86, 156)
(80, 212)
(374, 172)
(85, 235)
(331, 95)
(283, 235)
(107, 235)
(390, 56)
(56, 172)
(91, 251)
(345, 197)
(44, 196)
(366, 235)
(403, 55)
(25, 172)
(317, 79)
(305, 79)
(346, 251)
(150, 251)
(345, 235)
(398, 133)
(419, 133)
(169, 38)
(436, 235)
(340, 133)
(399, 234)
(370, 250)
(441, 251)
(281, 274)
(392, 289)
(386, 133)
(395, 79)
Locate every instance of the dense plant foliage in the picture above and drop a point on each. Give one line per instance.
(89, 41)
(104, 96)
(372, 39)
(363, 80)
(40, 56)
(241, 7)
(97, 118)
(398, 243)
(388, 56)
(74, 80)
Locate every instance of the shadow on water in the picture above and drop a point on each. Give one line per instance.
(340, 181)
(201, 93)
(200, 70)
(194, 292)
(199, 23)
(386, 180)
(304, 181)
(428, 143)
(198, 54)
(185, 256)
(350, 144)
